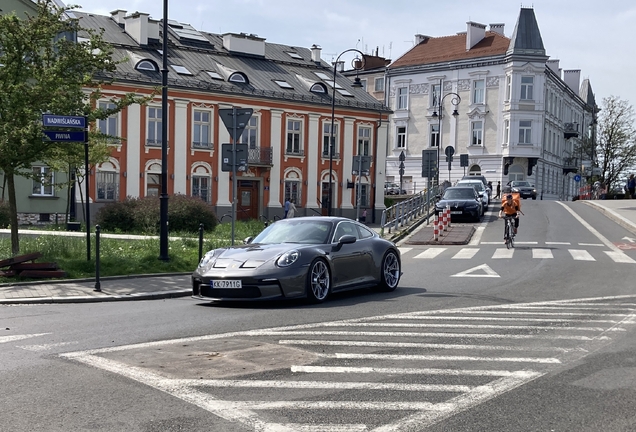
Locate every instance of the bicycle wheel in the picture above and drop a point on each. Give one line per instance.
(507, 235)
(511, 233)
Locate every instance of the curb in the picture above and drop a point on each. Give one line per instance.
(107, 278)
(628, 225)
(95, 299)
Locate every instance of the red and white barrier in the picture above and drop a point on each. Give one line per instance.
(436, 228)
(448, 212)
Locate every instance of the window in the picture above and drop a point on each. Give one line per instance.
(474, 170)
(215, 75)
(294, 137)
(478, 91)
(318, 88)
(42, 181)
(477, 133)
(107, 186)
(344, 92)
(108, 126)
(506, 132)
(292, 190)
(238, 77)
(527, 83)
(294, 55)
(434, 139)
(400, 141)
(153, 184)
(525, 132)
(283, 84)
(250, 134)
(508, 87)
(181, 70)
(154, 127)
(364, 194)
(326, 129)
(435, 92)
(202, 130)
(146, 65)
(379, 84)
(402, 98)
(201, 187)
(364, 141)
(363, 82)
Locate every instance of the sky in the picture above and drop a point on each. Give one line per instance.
(596, 37)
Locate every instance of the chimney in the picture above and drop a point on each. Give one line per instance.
(554, 66)
(339, 66)
(136, 25)
(153, 29)
(118, 16)
(497, 28)
(474, 34)
(315, 53)
(244, 43)
(419, 38)
(573, 79)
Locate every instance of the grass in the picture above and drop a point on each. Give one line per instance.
(126, 257)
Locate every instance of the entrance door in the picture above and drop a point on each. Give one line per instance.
(247, 206)
(325, 201)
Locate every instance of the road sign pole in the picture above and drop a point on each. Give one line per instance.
(234, 181)
(358, 191)
(87, 212)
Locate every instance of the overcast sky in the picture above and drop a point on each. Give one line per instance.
(597, 37)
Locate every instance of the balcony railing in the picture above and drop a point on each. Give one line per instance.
(295, 152)
(260, 156)
(153, 143)
(202, 145)
(326, 155)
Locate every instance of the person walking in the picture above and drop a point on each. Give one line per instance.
(292, 209)
(631, 186)
(498, 190)
(286, 207)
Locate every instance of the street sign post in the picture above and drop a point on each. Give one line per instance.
(429, 163)
(227, 152)
(449, 151)
(66, 136)
(75, 122)
(361, 167)
(577, 178)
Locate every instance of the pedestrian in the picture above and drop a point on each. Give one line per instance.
(363, 218)
(631, 186)
(286, 207)
(498, 190)
(292, 209)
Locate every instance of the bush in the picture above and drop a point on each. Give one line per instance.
(142, 215)
(5, 219)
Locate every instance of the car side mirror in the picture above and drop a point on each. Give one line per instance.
(532, 185)
(346, 239)
(248, 240)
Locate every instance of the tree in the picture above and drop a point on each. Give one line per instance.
(45, 71)
(615, 145)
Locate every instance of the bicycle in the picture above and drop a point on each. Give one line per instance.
(509, 233)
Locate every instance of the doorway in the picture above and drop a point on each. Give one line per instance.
(325, 201)
(247, 206)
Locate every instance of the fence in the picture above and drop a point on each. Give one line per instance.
(406, 211)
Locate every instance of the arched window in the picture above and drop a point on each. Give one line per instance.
(238, 77)
(153, 179)
(319, 88)
(146, 65)
(201, 179)
(474, 170)
(107, 181)
(293, 186)
(515, 173)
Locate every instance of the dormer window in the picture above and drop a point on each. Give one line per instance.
(344, 93)
(238, 77)
(181, 70)
(318, 88)
(146, 65)
(294, 55)
(215, 75)
(283, 84)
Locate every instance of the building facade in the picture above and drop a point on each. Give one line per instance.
(506, 111)
(290, 91)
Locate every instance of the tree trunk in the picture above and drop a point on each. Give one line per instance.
(13, 210)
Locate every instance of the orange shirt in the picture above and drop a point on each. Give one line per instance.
(510, 209)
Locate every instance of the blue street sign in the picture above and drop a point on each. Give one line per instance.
(577, 178)
(50, 120)
(64, 136)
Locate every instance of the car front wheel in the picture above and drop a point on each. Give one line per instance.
(390, 272)
(318, 282)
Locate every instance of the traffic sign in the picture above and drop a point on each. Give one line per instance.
(402, 157)
(365, 167)
(226, 156)
(429, 163)
(65, 136)
(577, 178)
(242, 117)
(449, 151)
(463, 160)
(76, 122)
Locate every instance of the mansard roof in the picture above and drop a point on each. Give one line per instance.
(452, 48)
(526, 39)
(204, 65)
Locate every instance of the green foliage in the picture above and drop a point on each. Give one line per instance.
(141, 215)
(4, 214)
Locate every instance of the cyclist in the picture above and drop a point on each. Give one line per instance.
(510, 208)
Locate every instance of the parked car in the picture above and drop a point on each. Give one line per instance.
(481, 178)
(524, 188)
(480, 188)
(305, 257)
(464, 201)
(391, 188)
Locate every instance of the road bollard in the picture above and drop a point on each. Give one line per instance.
(440, 225)
(436, 228)
(98, 286)
(200, 241)
(449, 215)
(444, 222)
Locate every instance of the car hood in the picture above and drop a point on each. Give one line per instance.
(251, 255)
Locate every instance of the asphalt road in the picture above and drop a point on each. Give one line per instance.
(540, 338)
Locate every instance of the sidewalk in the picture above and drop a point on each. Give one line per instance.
(145, 287)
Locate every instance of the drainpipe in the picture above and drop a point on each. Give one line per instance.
(375, 162)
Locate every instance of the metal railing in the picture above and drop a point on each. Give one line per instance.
(260, 156)
(406, 211)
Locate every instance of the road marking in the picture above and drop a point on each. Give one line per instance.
(404, 250)
(477, 235)
(581, 255)
(414, 371)
(332, 385)
(466, 253)
(46, 347)
(591, 229)
(488, 272)
(430, 253)
(491, 243)
(539, 313)
(526, 242)
(425, 334)
(590, 244)
(469, 326)
(5, 339)
(541, 253)
(558, 243)
(620, 257)
(501, 253)
(481, 318)
(350, 356)
(339, 405)
(298, 427)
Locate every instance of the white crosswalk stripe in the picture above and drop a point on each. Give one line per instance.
(581, 255)
(466, 253)
(502, 253)
(430, 253)
(539, 253)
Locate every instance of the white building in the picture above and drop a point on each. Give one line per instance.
(518, 116)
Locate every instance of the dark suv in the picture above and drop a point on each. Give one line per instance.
(524, 188)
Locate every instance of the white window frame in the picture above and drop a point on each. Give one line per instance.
(506, 132)
(293, 189)
(197, 190)
(205, 138)
(295, 131)
(436, 91)
(250, 135)
(364, 140)
(433, 136)
(477, 133)
(479, 91)
(110, 125)
(363, 82)
(400, 137)
(326, 129)
(525, 132)
(110, 188)
(156, 121)
(43, 181)
(402, 98)
(508, 87)
(378, 84)
(527, 88)
(364, 194)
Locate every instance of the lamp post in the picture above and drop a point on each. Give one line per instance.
(455, 100)
(356, 84)
(163, 200)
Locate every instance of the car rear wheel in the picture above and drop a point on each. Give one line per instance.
(390, 276)
(318, 282)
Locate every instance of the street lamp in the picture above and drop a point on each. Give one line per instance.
(357, 64)
(163, 199)
(440, 108)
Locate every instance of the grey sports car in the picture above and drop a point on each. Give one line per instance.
(305, 257)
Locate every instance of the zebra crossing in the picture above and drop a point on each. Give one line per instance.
(501, 253)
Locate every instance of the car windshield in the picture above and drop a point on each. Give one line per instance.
(459, 193)
(477, 185)
(295, 231)
(520, 183)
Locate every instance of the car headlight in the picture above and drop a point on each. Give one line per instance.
(515, 189)
(207, 258)
(534, 190)
(288, 258)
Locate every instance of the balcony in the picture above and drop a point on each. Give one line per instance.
(260, 156)
(570, 130)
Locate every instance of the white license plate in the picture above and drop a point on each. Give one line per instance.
(229, 283)
(456, 212)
